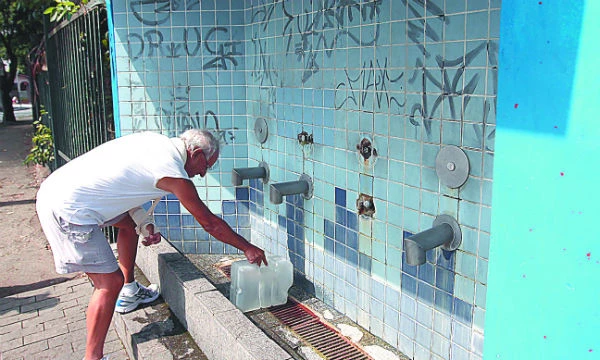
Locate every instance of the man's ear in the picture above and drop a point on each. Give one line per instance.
(198, 154)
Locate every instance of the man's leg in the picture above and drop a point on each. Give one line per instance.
(127, 241)
(100, 311)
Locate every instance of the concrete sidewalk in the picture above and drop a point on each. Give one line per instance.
(49, 323)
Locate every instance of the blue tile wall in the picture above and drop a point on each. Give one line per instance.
(410, 75)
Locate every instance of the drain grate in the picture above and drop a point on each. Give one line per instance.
(322, 337)
(308, 326)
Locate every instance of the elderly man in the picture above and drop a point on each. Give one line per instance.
(106, 186)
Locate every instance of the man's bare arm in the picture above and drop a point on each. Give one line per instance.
(188, 196)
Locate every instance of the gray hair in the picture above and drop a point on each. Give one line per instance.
(200, 139)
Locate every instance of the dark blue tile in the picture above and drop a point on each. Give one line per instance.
(242, 193)
(289, 210)
(231, 220)
(329, 228)
(340, 233)
(228, 207)
(443, 301)
(201, 234)
(352, 239)
(298, 201)
(173, 207)
(329, 244)
(245, 233)
(188, 220)
(364, 262)
(174, 220)
(203, 247)
(352, 220)
(174, 233)
(260, 198)
(217, 247)
(340, 251)
(189, 247)
(189, 234)
(177, 245)
(463, 311)
(299, 231)
(253, 195)
(446, 260)
(160, 220)
(243, 220)
(299, 215)
(340, 197)
(259, 185)
(253, 208)
(290, 226)
(171, 197)
(242, 207)
(409, 283)
(444, 279)
(426, 273)
(340, 215)
(425, 292)
(351, 256)
(430, 256)
(253, 183)
(409, 269)
(161, 207)
(291, 243)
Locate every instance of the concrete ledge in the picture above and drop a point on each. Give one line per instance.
(220, 329)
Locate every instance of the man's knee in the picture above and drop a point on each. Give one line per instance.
(112, 282)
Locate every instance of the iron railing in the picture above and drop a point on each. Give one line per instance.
(79, 83)
(76, 90)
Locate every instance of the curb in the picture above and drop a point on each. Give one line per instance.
(220, 329)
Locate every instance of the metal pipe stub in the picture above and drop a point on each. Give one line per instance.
(453, 244)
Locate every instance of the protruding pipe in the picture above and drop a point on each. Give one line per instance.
(302, 186)
(445, 232)
(238, 175)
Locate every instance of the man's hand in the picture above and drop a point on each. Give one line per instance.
(153, 238)
(255, 255)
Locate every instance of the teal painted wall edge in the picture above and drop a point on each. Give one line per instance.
(113, 67)
(543, 298)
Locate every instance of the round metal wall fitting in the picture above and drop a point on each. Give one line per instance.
(309, 193)
(261, 130)
(265, 166)
(452, 166)
(457, 238)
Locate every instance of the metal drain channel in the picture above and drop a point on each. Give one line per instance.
(315, 333)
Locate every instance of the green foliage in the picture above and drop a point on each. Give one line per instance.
(42, 151)
(62, 8)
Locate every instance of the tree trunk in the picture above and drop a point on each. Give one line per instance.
(7, 105)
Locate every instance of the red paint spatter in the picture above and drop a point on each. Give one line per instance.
(590, 350)
(516, 106)
(588, 255)
(562, 173)
(530, 230)
(545, 337)
(540, 3)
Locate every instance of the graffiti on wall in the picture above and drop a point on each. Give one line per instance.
(213, 50)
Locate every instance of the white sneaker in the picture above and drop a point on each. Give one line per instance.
(144, 295)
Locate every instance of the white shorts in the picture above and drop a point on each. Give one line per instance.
(75, 247)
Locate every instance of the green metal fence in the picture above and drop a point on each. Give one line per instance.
(76, 90)
(79, 83)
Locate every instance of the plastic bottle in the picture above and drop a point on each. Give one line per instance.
(254, 287)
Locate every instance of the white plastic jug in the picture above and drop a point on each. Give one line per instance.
(254, 287)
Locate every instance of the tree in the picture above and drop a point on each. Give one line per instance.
(21, 29)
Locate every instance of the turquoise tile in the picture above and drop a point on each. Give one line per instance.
(412, 152)
(464, 289)
(395, 193)
(486, 219)
(396, 149)
(394, 215)
(466, 264)
(480, 295)
(475, 162)
(471, 190)
(412, 175)
(430, 180)
(411, 221)
(469, 214)
(394, 257)
(412, 198)
(429, 202)
(482, 271)
(484, 245)
(378, 269)
(396, 171)
(397, 126)
(379, 231)
(469, 240)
